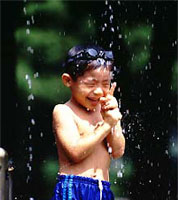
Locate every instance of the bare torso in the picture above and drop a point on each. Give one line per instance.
(96, 165)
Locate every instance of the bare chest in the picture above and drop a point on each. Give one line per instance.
(86, 126)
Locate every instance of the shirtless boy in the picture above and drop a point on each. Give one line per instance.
(87, 126)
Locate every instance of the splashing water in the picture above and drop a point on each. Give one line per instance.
(145, 94)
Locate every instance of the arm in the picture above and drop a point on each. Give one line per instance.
(76, 147)
(116, 141)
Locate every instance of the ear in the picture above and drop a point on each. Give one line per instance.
(66, 79)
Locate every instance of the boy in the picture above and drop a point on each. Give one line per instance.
(87, 126)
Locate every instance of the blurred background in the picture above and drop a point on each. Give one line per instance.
(35, 37)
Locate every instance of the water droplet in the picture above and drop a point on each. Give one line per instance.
(120, 36)
(166, 152)
(29, 84)
(30, 136)
(28, 178)
(36, 75)
(33, 121)
(29, 108)
(110, 8)
(112, 29)
(29, 49)
(30, 157)
(27, 31)
(26, 76)
(28, 22)
(30, 97)
(32, 18)
(111, 18)
(24, 10)
(110, 150)
(30, 148)
(137, 147)
(110, 45)
(119, 174)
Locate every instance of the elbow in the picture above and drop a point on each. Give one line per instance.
(118, 153)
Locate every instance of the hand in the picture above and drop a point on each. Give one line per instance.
(109, 102)
(109, 107)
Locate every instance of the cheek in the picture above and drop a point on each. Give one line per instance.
(84, 91)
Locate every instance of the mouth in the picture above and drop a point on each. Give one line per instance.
(93, 101)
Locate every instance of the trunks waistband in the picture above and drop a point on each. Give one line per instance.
(82, 179)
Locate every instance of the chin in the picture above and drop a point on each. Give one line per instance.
(92, 108)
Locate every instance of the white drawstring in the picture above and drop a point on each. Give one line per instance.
(100, 185)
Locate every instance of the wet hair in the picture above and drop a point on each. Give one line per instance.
(81, 58)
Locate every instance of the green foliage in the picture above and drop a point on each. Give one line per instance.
(49, 89)
(120, 172)
(138, 41)
(49, 44)
(49, 169)
(53, 7)
(53, 47)
(142, 33)
(139, 60)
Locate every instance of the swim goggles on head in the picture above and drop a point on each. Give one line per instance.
(92, 54)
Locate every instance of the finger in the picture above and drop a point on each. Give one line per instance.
(103, 99)
(120, 116)
(112, 89)
(110, 105)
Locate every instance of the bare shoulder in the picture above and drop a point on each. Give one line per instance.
(61, 108)
(63, 121)
(62, 111)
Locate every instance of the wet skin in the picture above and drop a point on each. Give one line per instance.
(79, 136)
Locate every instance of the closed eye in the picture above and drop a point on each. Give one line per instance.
(90, 84)
(106, 84)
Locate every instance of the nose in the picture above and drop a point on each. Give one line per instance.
(98, 91)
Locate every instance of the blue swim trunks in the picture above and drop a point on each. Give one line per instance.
(71, 187)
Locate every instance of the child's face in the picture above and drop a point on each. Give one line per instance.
(91, 86)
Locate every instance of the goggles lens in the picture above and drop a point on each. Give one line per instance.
(92, 54)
